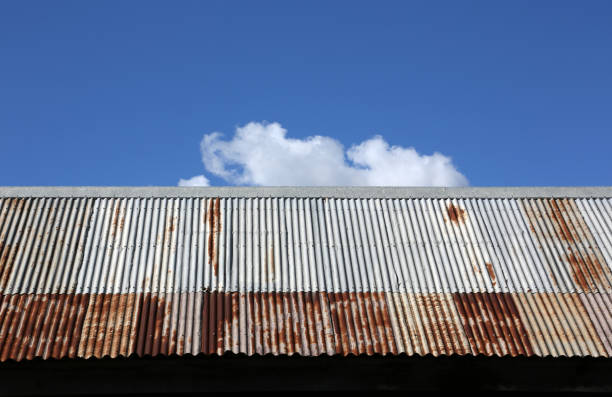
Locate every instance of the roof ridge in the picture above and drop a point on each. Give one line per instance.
(309, 192)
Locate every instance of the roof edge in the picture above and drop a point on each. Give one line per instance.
(320, 191)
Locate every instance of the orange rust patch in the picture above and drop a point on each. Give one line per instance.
(17, 204)
(7, 259)
(52, 324)
(456, 214)
(585, 268)
(491, 273)
(578, 271)
(491, 322)
(115, 221)
(566, 228)
(214, 225)
(586, 272)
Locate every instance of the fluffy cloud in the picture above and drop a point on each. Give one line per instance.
(198, 180)
(262, 154)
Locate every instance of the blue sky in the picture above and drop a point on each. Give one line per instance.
(122, 92)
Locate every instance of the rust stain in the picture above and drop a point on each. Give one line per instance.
(342, 332)
(51, 324)
(584, 267)
(43, 325)
(277, 330)
(104, 333)
(265, 324)
(297, 331)
(205, 315)
(92, 309)
(12, 308)
(454, 325)
(117, 306)
(214, 225)
(515, 319)
(557, 215)
(286, 305)
(488, 321)
(76, 323)
(166, 315)
(14, 338)
(578, 271)
(309, 311)
(174, 339)
(491, 273)
(533, 216)
(233, 321)
(92, 320)
(7, 260)
(456, 214)
(370, 313)
(127, 333)
(442, 329)
(587, 272)
(254, 323)
(363, 324)
(115, 221)
(222, 311)
(383, 324)
(30, 334)
(141, 335)
(156, 339)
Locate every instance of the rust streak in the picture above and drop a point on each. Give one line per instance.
(456, 214)
(491, 273)
(207, 316)
(6, 263)
(214, 227)
(566, 228)
(501, 319)
(115, 221)
(587, 272)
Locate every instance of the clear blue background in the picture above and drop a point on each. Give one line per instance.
(121, 92)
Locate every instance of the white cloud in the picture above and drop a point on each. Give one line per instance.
(262, 154)
(198, 180)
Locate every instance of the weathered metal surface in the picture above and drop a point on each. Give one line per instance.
(117, 276)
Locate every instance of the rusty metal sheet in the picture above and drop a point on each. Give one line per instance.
(121, 276)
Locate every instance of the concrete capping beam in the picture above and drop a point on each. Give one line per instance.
(308, 192)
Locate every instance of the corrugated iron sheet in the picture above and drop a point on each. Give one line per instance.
(93, 276)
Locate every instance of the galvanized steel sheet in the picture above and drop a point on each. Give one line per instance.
(117, 276)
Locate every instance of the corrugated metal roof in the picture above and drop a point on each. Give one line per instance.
(93, 273)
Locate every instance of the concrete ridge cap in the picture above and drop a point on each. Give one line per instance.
(307, 192)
